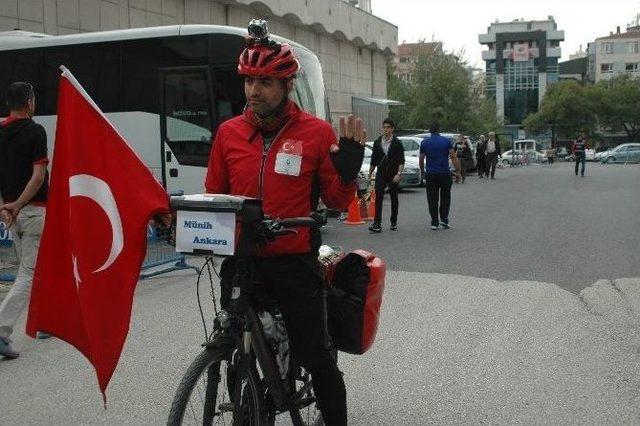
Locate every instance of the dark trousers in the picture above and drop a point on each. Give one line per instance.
(580, 158)
(439, 197)
(481, 160)
(492, 162)
(464, 164)
(295, 283)
(381, 185)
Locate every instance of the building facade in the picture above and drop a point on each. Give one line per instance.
(521, 61)
(616, 54)
(574, 69)
(408, 55)
(352, 44)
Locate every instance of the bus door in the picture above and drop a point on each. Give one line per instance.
(186, 121)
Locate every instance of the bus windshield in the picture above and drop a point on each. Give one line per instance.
(309, 88)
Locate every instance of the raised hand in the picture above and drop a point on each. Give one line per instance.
(348, 154)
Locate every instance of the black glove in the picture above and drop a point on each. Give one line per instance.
(348, 159)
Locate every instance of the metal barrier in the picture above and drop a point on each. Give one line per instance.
(161, 256)
(8, 259)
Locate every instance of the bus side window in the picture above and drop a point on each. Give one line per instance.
(188, 117)
(228, 94)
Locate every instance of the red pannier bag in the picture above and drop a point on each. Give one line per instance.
(355, 297)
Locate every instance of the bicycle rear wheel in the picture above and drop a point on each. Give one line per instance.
(205, 394)
(307, 412)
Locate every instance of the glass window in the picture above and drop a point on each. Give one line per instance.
(607, 48)
(96, 66)
(188, 116)
(23, 65)
(631, 67)
(606, 68)
(632, 47)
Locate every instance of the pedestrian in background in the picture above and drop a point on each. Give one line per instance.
(579, 150)
(388, 158)
(480, 156)
(435, 152)
(464, 154)
(492, 152)
(23, 193)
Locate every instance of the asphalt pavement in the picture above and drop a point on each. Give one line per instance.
(455, 345)
(450, 350)
(535, 223)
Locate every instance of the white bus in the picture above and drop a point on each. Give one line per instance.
(166, 89)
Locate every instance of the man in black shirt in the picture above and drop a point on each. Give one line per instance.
(23, 197)
(388, 158)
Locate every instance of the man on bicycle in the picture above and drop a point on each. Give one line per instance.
(284, 156)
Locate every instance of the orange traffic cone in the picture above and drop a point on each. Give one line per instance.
(372, 205)
(353, 214)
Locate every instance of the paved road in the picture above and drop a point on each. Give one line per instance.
(451, 349)
(538, 223)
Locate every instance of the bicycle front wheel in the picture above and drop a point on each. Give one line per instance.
(205, 394)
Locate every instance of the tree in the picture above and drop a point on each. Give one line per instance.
(617, 103)
(440, 88)
(566, 109)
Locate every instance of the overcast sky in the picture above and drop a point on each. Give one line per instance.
(457, 23)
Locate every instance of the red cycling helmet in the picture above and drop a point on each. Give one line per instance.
(268, 60)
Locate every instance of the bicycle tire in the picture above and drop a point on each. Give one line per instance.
(210, 361)
(310, 415)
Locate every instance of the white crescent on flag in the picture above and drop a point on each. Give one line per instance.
(98, 191)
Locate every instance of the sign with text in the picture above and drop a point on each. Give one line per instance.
(209, 231)
(520, 52)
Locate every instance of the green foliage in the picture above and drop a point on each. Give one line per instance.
(441, 89)
(565, 109)
(569, 109)
(617, 103)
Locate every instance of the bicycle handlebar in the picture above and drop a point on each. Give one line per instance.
(299, 222)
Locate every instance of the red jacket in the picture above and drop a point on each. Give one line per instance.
(283, 177)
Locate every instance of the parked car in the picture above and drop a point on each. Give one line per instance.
(522, 157)
(562, 152)
(411, 145)
(410, 174)
(599, 155)
(511, 157)
(625, 153)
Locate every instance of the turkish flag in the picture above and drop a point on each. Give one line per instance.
(94, 240)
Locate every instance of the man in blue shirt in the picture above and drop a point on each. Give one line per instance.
(436, 150)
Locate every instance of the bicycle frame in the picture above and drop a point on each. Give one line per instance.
(250, 341)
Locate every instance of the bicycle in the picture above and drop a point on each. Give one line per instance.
(239, 378)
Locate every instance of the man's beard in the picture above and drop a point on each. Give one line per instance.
(264, 112)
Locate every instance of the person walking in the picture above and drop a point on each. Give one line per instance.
(463, 152)
(388, 158)
(435, 152)
(579, 150)
(23, 193)
(492, 152)
(480, 156)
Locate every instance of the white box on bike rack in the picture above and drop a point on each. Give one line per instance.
(215, 224)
